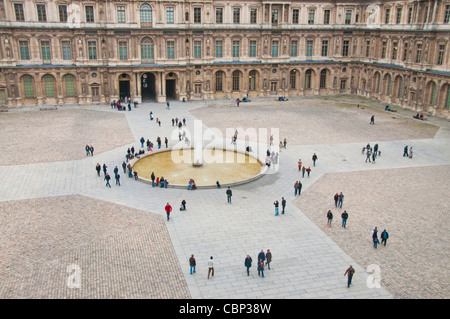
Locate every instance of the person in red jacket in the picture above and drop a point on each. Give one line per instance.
(168, 209)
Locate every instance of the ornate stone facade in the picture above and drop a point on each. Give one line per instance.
(61, 51)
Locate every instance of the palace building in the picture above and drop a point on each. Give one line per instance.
(55, 52)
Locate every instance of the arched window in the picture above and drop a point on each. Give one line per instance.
(69, 81)
(219, 81)
(147, 49)
(388, 85)
(28, 86)
(400, 87)
(447, 101)
(252, 81)
(236, 76)
(308, 75)
(293, 79)
(433, 94)
(146, 13)
(49, 85)
(323, 79)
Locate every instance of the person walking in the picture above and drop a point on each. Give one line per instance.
(229, 194)
(261, 268)
(283, 205)
(349, 272)
(341, 199)
(268, 258)
(405, 151)
(104, 169)
(192, 264)
(168, 209)
(296, 188)
(98, 168)
(117, 177)
(329, 218)
(124, 167)
(314, 158)
(384, 237)
(168, 106)
(276, 208)
(92, 150)
(248, 263)
(308, 170)
(142, 140)
(166, 141)
(375, 238)
(299, 164)
(344, 219)
(303, 171)
(410, 152)
(368, 155)
(372, 119)
(262, 255)
(210, 267)
(300, 188)
(336, 199)
(107, 178)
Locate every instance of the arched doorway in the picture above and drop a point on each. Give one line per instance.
(148, 87)
(171, 86)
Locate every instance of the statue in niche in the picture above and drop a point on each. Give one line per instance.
(207, 85)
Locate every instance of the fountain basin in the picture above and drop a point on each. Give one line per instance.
(230, 167)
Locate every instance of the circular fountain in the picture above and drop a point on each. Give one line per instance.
(204, 165)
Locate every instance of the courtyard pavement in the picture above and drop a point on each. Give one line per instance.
(308, 260)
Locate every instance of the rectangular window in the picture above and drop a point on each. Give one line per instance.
(197, 15)
(394, 50)
(447, 14)
(219, 82)
(89, 13)
(325, 48)
(275, 16)
(171, 49)
(419, 53)
(49, 86)
(219, 49)
(410, 14)
(70, 87)
(345, 48)
(121, 14)
(309, 47)
(343, 85)
(236, 15)
(45, 50)
(387, 14)
(219, 15)
(24, 51)
(367, 49)
(252, 51)
(295, 16)
(311, 14)
(147, 51)
(348, 16)
(62, 9)
(66, 52)
(170, 15)
(235, 49)
(275, 49)
(405, 51)
(398, 19)
(42, 16)
(253, 16)
(441, 54)
(294, 48)
(197, 49)
(123, 50)
(326, 17)
(18, 10)
(92, 50)
(383, 50)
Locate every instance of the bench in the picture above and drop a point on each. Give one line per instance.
(48, 108)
